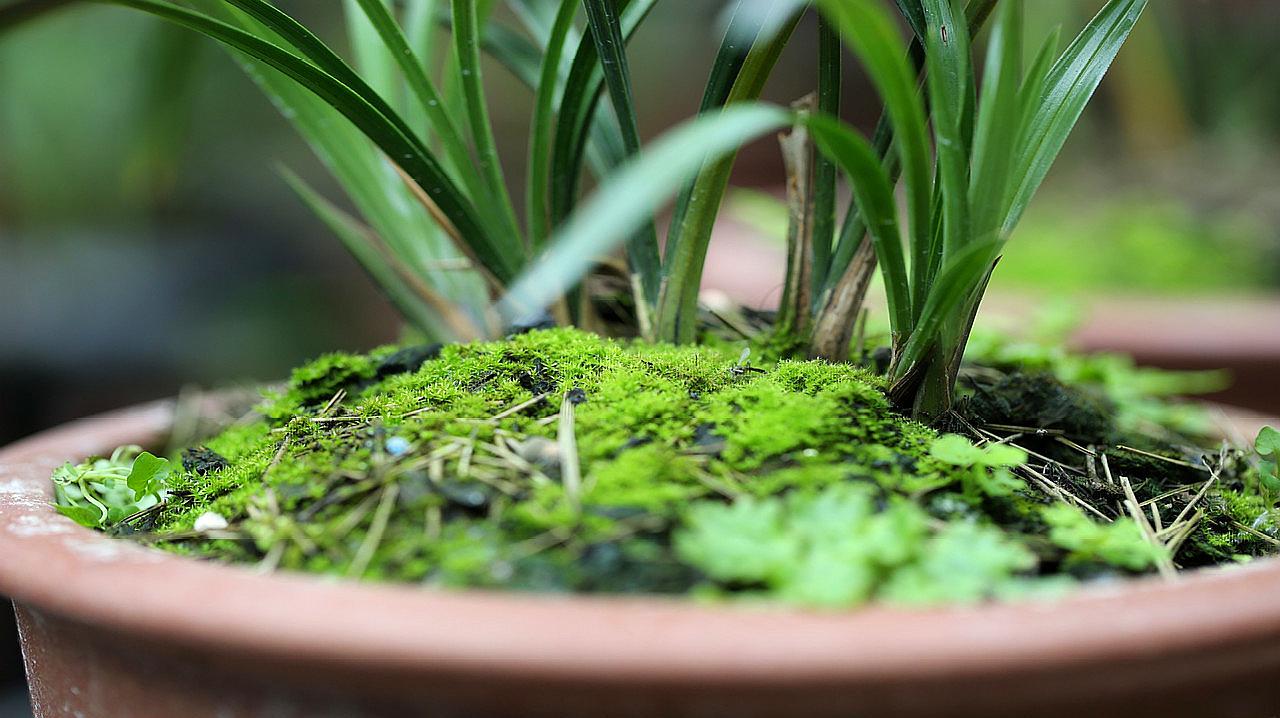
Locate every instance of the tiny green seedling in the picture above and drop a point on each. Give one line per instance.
(988, 465)
(1268, 447)
(101, 492)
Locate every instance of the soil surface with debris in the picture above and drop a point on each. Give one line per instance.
(559, 461)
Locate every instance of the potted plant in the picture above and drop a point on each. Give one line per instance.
(868, 524)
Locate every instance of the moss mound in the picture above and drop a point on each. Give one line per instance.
(559, 461)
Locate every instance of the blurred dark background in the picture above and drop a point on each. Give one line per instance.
(147, 242)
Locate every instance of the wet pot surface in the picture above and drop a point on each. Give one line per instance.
(114, 630)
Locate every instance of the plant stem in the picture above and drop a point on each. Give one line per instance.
(832, 331)
(678, 304)
(824, 170)
(795, 310)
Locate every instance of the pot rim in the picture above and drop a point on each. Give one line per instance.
(50, 563)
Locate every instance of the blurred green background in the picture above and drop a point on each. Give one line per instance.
(147, 241)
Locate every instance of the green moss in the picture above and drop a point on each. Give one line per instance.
(319, 380)
(793, 481)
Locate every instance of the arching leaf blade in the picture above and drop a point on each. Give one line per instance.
(949, 76)
(997, 121)
(424, 90)
(873, 193)
(631, 195)
(606, 31)
(540, 130)
(869, 30)
(1067, 89)
(385, 133)
(466, 45)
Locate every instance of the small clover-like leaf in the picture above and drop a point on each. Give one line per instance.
(1268, 445)
(998, 455)
(963, 563)
(1270, 471)
(745, 542)
(956, 450)
(83, 515)
(148, 474)
(998, 482)
(1268, 442)
(825, 549)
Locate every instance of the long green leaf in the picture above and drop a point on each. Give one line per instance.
(420, 32)
(319, 54)
(606, 33)
(998, 113)
(539, 18)
(577, 111)
(1067, 89)
(852, 229)
(420, 22)
(519, 56)
(370, 55)
(1031, 93)
(678, 304)
(378, 192)
(949, 77)
(631, 195)
(323, 57)
(913, 11)
(606, 30)
(466, 44)
(824, 170)
(871, 33)
(540, 132)
(429, 99)
(382, 130)
(873, 193)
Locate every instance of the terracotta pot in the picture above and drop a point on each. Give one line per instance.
(1236, 334)
(114, 630)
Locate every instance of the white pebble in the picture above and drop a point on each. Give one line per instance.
(209, 521)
